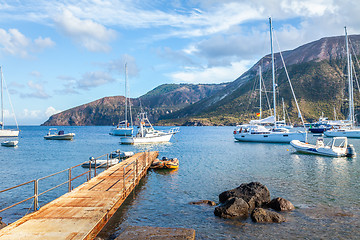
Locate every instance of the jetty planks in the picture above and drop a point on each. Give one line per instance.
(83, 212)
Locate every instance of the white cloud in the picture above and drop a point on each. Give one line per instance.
(94, 79)
(13, 42)
(51, 111)
(37, 91)
(210, 75)
(91, 35)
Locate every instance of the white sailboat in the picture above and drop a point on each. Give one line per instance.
(147, 134)
(257, 133)
(351, 131)
(124, 128)
(6, 132)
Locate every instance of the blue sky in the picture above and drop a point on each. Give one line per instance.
(60, 54)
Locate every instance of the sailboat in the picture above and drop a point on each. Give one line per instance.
(147, 133)
(351, 131)
(257, 133)
(6, 132)
(124, 128)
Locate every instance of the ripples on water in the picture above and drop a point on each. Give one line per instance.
(324, 190)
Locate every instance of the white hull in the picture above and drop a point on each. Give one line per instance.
(101, 163)
(9, 143)
(9, 133)
(273, 137)
(143, 140)
(121, 131)
(68, 136)
(313, 149)
(350, 133)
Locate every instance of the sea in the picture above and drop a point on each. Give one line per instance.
(324, 190)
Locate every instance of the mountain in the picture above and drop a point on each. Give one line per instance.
(318, 75)
(160, 101)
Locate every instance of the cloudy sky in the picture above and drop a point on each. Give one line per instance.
(60, 54)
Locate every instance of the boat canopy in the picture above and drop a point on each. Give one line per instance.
(268, 120)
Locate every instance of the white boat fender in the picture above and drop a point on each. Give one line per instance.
(350, 151)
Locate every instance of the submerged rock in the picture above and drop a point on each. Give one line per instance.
(208, 202)
(281, 204)
(254, 193)
(233, 207)
(2, 224)
(261, 215)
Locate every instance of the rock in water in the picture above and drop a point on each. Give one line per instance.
(261, 215)
(254, 193)
(208, 202)
(281, 204)
(233, 207)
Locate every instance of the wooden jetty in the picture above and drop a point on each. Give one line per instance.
(83, 212)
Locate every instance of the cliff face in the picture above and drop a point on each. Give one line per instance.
(162, 100)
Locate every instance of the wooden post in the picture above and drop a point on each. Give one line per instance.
(69, 190)
(36, 191)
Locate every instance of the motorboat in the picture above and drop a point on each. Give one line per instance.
(165, 163)
(337, 147)
(147, 134)
(6, 132)
(121, 155)
(100, 163)
(10, 143)
(124, 128)
(53, 134)
(258, 133)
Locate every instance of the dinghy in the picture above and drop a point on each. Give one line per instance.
(165, 163)
(54, 135)
(12, 143)
(337, 147)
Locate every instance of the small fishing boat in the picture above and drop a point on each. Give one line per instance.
(337, 147)
(165, 163)
(53, 134)
(11, 143)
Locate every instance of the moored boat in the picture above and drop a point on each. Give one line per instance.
(53, 134)
(337, 147)
(147, 133)
(10, 143)
(165, 163)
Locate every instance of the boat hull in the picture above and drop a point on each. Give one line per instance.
(101, 163)
(9, 133)
(350, 133)
(312, 149)
(146, 140)
(9, 143)
(274, 137)
(121, 131)
(68, 136)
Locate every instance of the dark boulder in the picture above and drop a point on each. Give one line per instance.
(281, 204)
(208, 202)
(261, 215)
(232, 208)
(254, 193)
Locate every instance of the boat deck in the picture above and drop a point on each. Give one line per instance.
(82, 213)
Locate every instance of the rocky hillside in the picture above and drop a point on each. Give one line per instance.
(317, 71)
(160, 101)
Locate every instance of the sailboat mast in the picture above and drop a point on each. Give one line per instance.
(283, 108)
(126, 94)
(351, 114)
(260, 110)
(273, 70)
(2, 100)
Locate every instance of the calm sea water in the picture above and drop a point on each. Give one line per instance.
(325, 191)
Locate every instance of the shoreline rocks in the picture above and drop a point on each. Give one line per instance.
(252, 197)
(205, 202)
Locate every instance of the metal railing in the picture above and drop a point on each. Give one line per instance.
(127, 172)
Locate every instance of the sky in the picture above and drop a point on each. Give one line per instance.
(56, 55)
